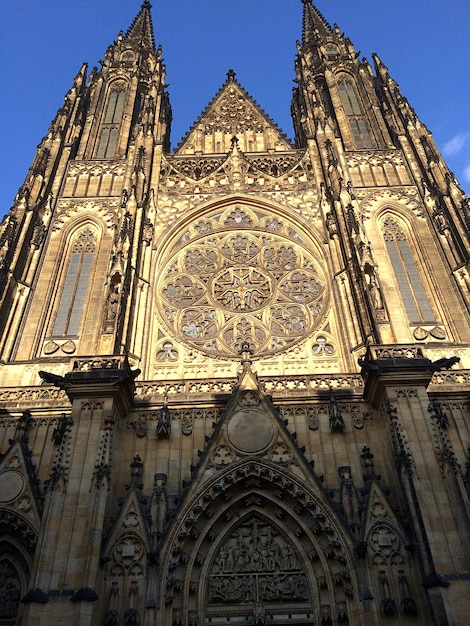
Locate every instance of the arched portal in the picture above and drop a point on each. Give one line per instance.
(257, 572)
(257, 546)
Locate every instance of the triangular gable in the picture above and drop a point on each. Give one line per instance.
(250, 427)
(233, 113)
(252, 496)
(20, 499)
(130, 531)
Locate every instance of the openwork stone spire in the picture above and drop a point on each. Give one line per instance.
(314, 24)
(141, 29)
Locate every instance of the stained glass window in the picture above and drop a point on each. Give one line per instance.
(112, 121)
(72, 298)
(410, 284)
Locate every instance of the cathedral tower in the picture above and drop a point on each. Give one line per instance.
(235, 376)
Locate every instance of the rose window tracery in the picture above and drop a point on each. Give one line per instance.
(237, 282)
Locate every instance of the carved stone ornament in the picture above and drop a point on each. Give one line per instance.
(257, 563)
(240, 285)
(12, 485)
(250, 431)
(10, 592)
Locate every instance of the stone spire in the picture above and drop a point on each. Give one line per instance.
(314, 26)
(141, 29)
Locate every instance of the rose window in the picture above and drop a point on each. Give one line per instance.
(222, 287)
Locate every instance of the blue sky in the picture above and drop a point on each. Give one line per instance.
(425, 45)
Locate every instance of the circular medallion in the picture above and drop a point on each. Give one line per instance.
(12, 485)
(250, 431)
(249, 280)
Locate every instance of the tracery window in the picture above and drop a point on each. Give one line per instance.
(331, 52)
(240, 277)
(128, 57)
(112, 122)
(418, 307)
(72, 298)
(355, 114)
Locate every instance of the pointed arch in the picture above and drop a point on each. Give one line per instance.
(71, 302)
(125, 572)
(15, 563)
(392, 573)
(397, 238)
(354, 113)
(111, 121)
(12, 587)
(296, 529)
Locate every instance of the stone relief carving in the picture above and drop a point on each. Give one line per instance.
(270, 176)
(68, 209)
(257, 563)
(404, 196)
(10, 590)
(314, 414)
(31, 394)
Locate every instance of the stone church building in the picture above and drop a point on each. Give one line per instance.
(235, 377)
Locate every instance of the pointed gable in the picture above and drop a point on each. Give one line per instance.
(20, 502)
(233, 113)
(250, 431)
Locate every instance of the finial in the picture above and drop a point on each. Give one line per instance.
(246, 352)
(231, 75)
(146, 5)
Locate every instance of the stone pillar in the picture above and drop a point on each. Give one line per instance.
(396, 381)
(63, 585)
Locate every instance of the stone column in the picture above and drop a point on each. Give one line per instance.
(63, 585)
(396, 380)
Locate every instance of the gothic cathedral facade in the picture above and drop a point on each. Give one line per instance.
(235, 377)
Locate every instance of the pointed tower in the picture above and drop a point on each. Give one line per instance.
(371, 150)
(241, 322)
(86, 206)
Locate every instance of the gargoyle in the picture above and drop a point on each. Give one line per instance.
(54, 379)
(444, 364)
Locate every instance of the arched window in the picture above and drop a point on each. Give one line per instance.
(417, 305)
(72, 298)
(128, 57)
(331, 52)
(355, 114)
(112, 122)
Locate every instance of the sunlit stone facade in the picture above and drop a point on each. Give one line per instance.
(235, 377)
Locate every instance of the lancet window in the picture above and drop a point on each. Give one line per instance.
(112, 122)
(72, 298)
(355, 114)
(413, 292)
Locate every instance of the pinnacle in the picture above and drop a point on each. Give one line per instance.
(314, 23)
(141, 29)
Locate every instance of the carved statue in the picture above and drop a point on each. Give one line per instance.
(164, 423)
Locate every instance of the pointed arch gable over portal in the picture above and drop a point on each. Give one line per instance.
(257, 541)
(255, 538)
